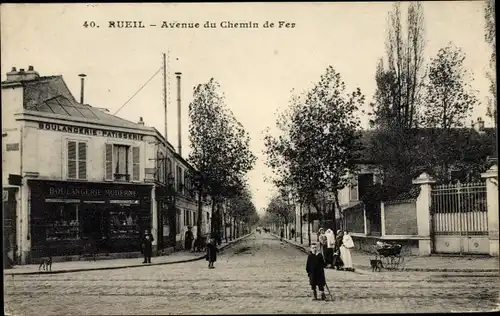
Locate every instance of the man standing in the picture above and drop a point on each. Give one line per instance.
(282, 234)
(315, 270)
(188, 239)
(147, 246)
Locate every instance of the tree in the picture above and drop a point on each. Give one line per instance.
(449, 102)
(490, 37)
(449, 97)
(281, 210)
(326, 134)
(321, 140)
(397, 97)
(395, 145)
(220, 147)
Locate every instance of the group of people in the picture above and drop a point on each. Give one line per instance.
(333, 251)
(211, 247)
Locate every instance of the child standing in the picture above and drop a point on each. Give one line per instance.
(315, 270)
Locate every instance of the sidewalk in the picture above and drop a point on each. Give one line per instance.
(361, 260)
(76, 266)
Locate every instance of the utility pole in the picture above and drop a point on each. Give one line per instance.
(165, 94)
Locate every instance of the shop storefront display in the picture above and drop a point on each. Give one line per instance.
(68, 217)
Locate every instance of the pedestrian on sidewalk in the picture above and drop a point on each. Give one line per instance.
(211, 253)
(345, 251)
(292, 233)
(329, 246)
(188, 239)
(282, 234)
(315, 271)
(337, 261)
(147, 246)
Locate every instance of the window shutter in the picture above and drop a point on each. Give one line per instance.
(71, 160)
(109, 162)
(136, 171)
(82, 160)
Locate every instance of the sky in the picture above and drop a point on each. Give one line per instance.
(256, 67)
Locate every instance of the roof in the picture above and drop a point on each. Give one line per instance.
(50, 94)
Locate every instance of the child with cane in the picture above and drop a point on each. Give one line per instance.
(315, 270)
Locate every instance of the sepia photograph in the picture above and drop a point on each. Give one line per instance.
(249, 158)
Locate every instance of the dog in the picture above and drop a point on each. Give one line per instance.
(376, 265)
(46, 264)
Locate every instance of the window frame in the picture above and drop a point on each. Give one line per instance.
(130, 160)
(65, 158)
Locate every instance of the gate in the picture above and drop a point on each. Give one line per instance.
(459, 218)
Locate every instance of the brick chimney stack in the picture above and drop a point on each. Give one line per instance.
(22, 75)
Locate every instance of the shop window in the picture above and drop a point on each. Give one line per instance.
(62, 222)
(77, 160)
(354, 189)
(122, 163)
(160, 168)
(124, 223)
(169, 166)
(178, 222)
(179, 179)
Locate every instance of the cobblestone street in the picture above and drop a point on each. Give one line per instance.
(257, 275)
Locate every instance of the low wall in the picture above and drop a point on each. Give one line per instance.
(400, 218)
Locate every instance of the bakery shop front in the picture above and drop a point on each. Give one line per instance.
(70, 218)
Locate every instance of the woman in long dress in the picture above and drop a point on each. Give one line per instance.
(345, 251)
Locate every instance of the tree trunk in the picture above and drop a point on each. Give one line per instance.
(301, 224)
(309, 223)
(224, 223)
(337, 205)
(214, 220)
(200, 214)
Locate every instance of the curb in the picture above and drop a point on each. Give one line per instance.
(231, 243)
(303, 249)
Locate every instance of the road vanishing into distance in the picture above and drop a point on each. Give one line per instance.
(257, 275)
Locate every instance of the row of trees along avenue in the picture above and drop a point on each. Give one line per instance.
(419, 107)
(221, 155)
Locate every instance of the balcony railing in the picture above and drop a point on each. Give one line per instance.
(122, 177)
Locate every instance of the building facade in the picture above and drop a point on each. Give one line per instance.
(77, 179)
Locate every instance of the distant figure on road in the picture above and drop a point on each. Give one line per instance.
(211, 253)
(282, 234)
(292, 233)
(188, 240)
(147, 247)
(345, 251)
(315, 271)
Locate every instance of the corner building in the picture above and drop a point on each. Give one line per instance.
(85, 173)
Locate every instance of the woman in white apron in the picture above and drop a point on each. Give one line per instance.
(345, 251)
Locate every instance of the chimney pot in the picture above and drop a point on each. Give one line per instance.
(30, 68)
(21, 70)
(14, 69)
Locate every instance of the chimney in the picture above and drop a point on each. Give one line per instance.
(82, 86)
(22, 75)
(141, 122)
(178, 75)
